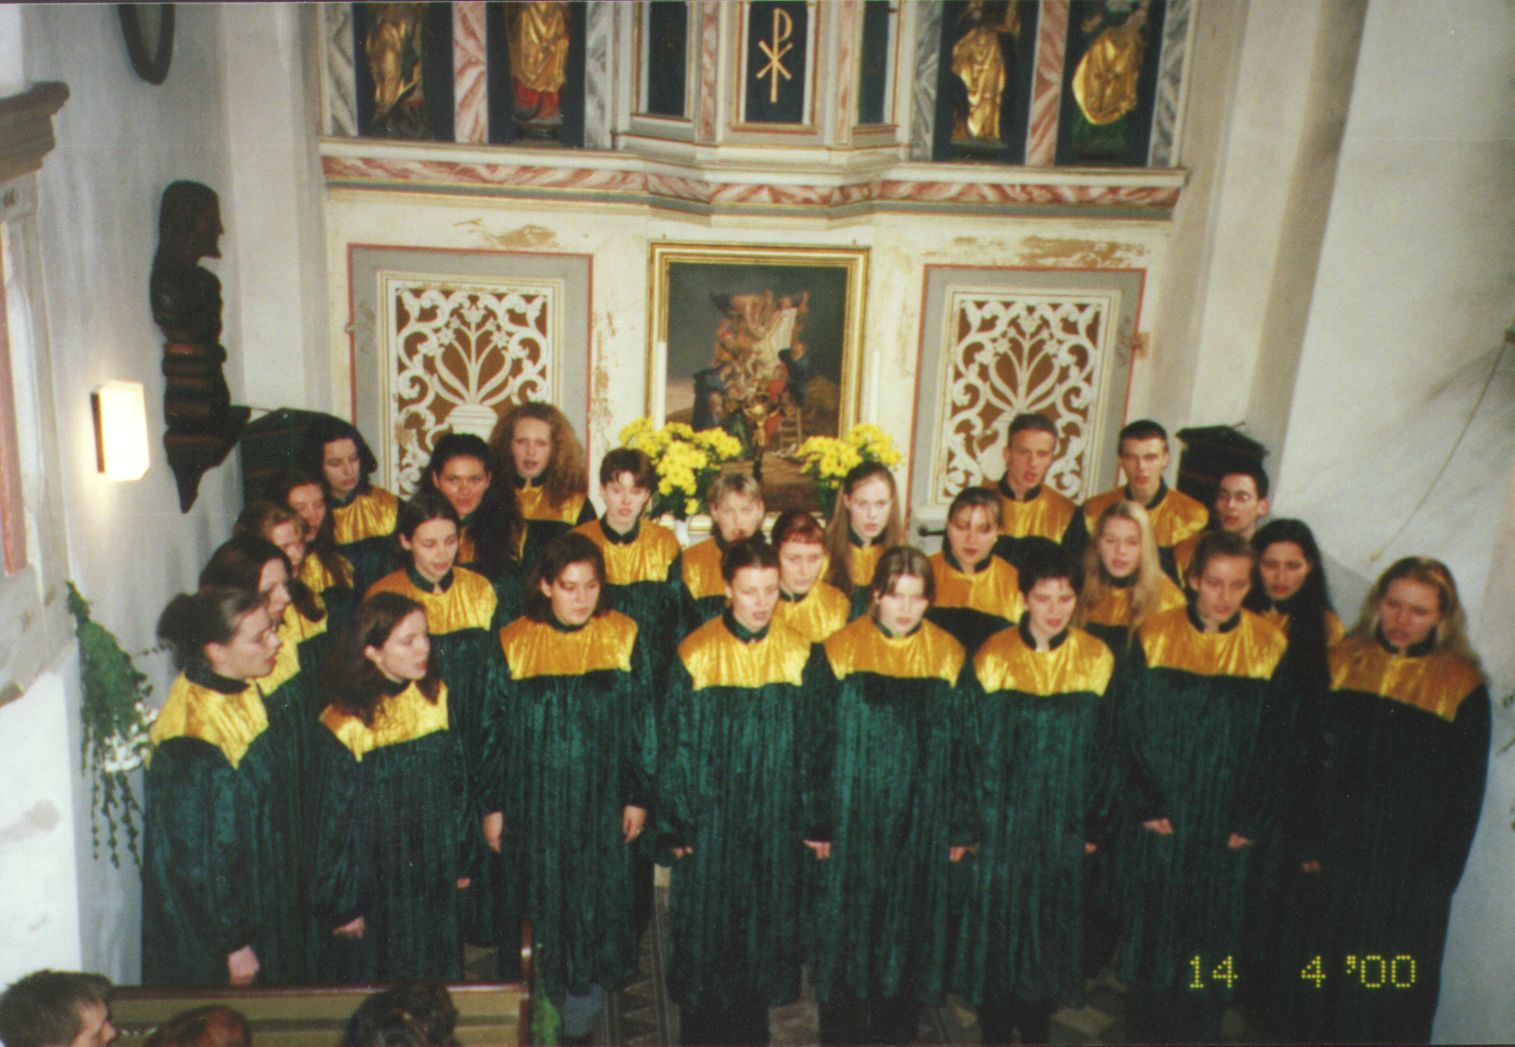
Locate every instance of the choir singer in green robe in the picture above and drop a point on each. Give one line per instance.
(213, 883)
(572, 747)
(1206, 752)
(744, 734)
(1044, 733)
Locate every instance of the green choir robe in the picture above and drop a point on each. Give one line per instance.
(862, 561)
(1044, 731)
(364, 528)
(546, 519)
(462, 613)
(217, 867)
(1043, 519)
(643, 572)
(902, 792)
(572, 742)
(1203, 738)
(742, 740)
(702, 590)
(1402, 744)
(334, 589)
(394, 834)
(508, 578)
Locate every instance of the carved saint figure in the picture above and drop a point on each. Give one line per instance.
(537, 40)
(393, 47)
(186, 304)
(980, 64)
(1104, 84)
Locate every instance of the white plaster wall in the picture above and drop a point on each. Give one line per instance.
(617, 239)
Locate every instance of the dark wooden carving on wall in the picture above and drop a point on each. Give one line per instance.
(203, 425)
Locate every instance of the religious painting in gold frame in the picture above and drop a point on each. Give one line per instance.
(764, 342)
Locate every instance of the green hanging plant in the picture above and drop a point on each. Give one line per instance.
(116, 723)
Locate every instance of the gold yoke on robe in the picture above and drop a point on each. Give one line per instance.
(995, 589)
(1081, 663)
(862, 647)
(1252, 649)
(1045, 515)
(817, 614)
(1435, 683)
(230, 722)
(370, 515)
(701, 569)
(1175, 516)
(863, 562)
(468, 603)
(646, 558)
(534, 505)
(1114, 604)
(318, 579)
(715, 657)
(401, 718)
(533, 648)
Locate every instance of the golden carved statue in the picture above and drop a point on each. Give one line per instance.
(978, 62)
(393, 48)
(537, 41)
(1104, 84)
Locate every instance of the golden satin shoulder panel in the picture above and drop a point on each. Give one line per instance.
(715, 658)
(822, 612)
(468, 603)
(1114, 605)
(535, 648)
(1045, 516)
(1334, 629)
(371, 515)
(296, 628)
(1183, 552)
(1176, 517)
(861, 646)
(403, 718)
(646, 559)
(535, 506)
(286, 665)
(318, 579)
(994, 590)
(1082, 663)
(1252, 649)
(1436, 683)
(863, 562)
(230, 722)
(701, 570)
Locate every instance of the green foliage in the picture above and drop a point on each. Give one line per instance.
(116, 720)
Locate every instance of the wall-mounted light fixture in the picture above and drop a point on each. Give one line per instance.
(120, 412)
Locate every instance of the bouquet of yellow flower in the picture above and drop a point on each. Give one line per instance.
(827, 459)
(686, 461)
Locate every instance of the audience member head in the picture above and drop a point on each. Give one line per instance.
(1143, 454)
(801, 546)
(568, 585)
(627, 482)
(973, 521)
(56, 1009)
(427, 530)
(902, 589)
(385, 646)
(533, 443)
(335, 451)
(751, 570)
(215, 1026)
(1030, 450)
(411, 1014)
(225, 630)
(1415, 602)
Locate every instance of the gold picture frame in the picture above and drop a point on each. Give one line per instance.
(763, 341)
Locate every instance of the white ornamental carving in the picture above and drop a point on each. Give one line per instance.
(460, 354)
(1014, 352)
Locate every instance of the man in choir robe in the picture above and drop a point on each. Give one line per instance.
(56, 1009)
(1031, 513)
(1143, 455)
(1241, 502)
